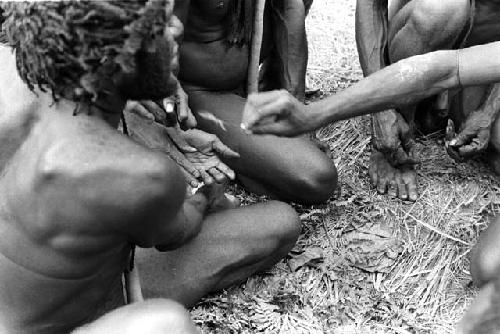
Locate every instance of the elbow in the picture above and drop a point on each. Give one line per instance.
(432, 72)
(163, 188)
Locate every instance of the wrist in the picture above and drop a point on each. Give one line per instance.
(316, 116)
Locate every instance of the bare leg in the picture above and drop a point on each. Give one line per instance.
(485, 259)
(232, 245)
(285, 66)
(290, 169)
(154, 316)
(483, 315)
(415, 27)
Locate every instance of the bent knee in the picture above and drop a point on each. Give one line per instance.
(161, 316)
(495, 136)
(317, 184)
(286, 227)
(484, 265)
(431, 16)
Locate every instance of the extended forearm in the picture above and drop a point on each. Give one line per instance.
(403, 83)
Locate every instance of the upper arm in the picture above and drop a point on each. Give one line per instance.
(85, 176)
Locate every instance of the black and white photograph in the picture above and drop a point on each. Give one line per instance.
(250, 166)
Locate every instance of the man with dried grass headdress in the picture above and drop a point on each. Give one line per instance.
(75, 193)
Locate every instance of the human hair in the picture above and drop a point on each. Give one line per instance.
(73, 47)
(241, 16)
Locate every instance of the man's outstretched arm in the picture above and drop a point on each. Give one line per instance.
(405, 82)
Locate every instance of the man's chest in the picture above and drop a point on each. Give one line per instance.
(211, 10)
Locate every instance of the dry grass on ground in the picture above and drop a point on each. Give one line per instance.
(366, 263)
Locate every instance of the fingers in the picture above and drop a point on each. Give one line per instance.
(206, 177)
(477, 145)
(454, 139)
(184, 115)
(191, 173)
(401, 157)
(179, 141)
(277, 129)
(226, 170)
(222, 150)
(169, 116)
(450, 131)
(190, 178)
(218, 175)
(257, 107)
(138, 109)
(459, 140)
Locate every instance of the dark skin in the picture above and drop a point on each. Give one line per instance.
(415, 27)
(77, 193)
(214, 76)
(76, 249)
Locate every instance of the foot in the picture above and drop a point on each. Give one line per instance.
(400, 182)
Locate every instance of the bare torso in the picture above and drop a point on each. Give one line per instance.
(206, 60)
(61, 251)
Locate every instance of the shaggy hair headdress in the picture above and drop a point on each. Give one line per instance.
(63, 44)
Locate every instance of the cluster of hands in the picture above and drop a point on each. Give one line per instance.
(393, 157)
(202, 152)
(279, 113)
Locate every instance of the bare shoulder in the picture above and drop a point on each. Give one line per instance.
(79, 173)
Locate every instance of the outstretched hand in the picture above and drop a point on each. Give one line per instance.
(275, 112)
(204, 151)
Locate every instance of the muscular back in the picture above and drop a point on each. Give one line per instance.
(73, 193)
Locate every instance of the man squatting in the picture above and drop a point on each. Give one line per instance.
(406, 83)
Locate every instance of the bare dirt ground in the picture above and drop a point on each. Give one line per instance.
(366, 263)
